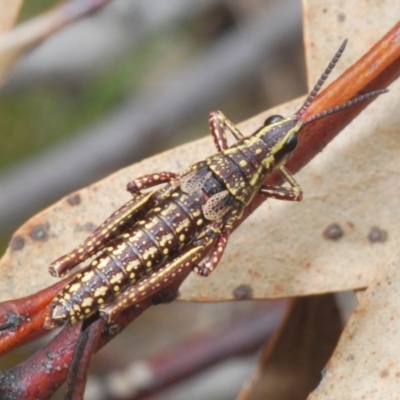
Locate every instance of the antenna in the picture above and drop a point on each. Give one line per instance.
(322, 79)
(345, 105)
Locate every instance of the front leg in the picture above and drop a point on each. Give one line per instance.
(292, 193)
(218, 123)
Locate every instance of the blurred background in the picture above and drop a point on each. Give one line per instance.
(127, 82)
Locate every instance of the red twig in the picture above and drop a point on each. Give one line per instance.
(22, 319)
(85, 348)
(41, 375)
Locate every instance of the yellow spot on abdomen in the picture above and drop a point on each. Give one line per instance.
(87, 302)
(101, 291)
(75, 287)
(87, 276)
(117, 278)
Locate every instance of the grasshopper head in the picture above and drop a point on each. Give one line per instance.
(280, 136)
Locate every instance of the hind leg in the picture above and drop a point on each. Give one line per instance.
(104, 234)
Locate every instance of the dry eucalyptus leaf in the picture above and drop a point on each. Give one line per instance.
(9, 13)
(366, 363)
(291, 362)
(327, 23)
(334, 240)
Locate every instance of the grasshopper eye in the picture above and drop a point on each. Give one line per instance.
(291, 143)
(287, 148)
(273, 119)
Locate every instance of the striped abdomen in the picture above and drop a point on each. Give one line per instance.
(158, 237)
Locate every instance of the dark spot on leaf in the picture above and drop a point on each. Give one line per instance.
(341, 17)
(243, 292)
(377, 235)
(40, 233)
(74, 199)
(17, 243)
(333, 232)
(90, 227)
(384, 373)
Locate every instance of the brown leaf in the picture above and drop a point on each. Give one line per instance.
(366, 362)
(291, 364)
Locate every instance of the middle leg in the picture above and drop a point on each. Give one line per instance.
(291, 193)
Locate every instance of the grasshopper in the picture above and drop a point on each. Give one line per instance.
(186, 223)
